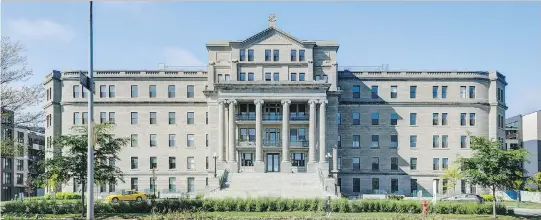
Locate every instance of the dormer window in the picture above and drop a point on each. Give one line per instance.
(242, 55)
(250, 55)
(276, 55)
(267, 55)
(293, 55)
(301, 55)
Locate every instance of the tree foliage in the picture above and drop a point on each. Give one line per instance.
(453, 175)
(491, 167)
(70, 157)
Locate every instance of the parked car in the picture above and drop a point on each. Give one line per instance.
(130, 195)
(464, 198)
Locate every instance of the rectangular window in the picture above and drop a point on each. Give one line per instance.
(301, 76)
(435, 91)
(250, 76)
(134, 184)
(153, 140)
(394, 163)
(172, 163)
(339, 142)
(394, 141)
(375, 163)
(103, 117)
(85, 118)
(413, 92)
(394, 118)
(153, 163)
(276, 55)
(413, 141)
(414, 186)
(207, 163)
(413, 163)
(112, 117)
(172, 139)
(191, 184)
(443, 118)
(444, 141)
(356, 163)
(374, 92)
(463, 186)
(394, 92)
(190, 118)
(339, 163)
(206, 140)
(134, 140)
(472, 119)
(356, 185)
(84, 93)
(153, 119)
(267, 76)
(301, 55)
(190, 163)
(356, 118)
(375, 141)
(172, 118)
(250, 55)
(134, 91)
(171, 91)
(207, 118)
(435, 118)
(413, 118)
(463, 141)
(435, 141)
(339, 118)
(375, 118)
(463, 92)
(134, 163)
(276, 77)
(103, 92)
(462, 119)
(356, 92)
(152, 91)
(444, 92)
(242, 53)
(190, 93)
(242, 77)
(356, 141)
(172, 184)
(20, 165)
(394, 185)
(293, 55)
(444, 185)
(111, 91)
(436, 164)
(293, 77)
(190, 140)
(472, 92)
(76, 89)
(134, 118)
(375, 184)
(444, 163)
(220, 78)
(111, 187)
(267, 55)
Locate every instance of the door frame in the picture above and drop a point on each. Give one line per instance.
(277, 165)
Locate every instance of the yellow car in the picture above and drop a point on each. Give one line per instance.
(130, 195)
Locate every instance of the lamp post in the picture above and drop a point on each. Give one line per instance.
(215, 157)
(329, 156)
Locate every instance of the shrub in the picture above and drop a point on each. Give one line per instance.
(395, 197)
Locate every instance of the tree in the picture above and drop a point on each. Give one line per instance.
(453, 175)
(15, 94)
(491, 167)
(537, 180)
(69, 160)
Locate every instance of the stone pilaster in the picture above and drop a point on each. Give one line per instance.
(322, 131)
(232, 131)
(221, 124)
(312, 132)
(286, 163)
(259, 166)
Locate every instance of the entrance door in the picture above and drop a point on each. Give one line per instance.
(273, 162)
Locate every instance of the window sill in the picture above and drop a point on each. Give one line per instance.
(414, 125)
(439, 148)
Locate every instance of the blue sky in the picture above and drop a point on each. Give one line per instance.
(503, 36)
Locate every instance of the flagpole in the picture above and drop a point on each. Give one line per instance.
(90, 162)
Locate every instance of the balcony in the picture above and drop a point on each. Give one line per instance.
(272, 116)
(246, 143)
(246, 117)
(298, 117)
(272, 143)
(298, 143)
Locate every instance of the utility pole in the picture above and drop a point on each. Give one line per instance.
(90, 162)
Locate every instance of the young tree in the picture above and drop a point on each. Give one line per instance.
(491, 167)
(69, 161)
(453, 175)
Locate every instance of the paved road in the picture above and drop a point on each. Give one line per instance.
(528, 212)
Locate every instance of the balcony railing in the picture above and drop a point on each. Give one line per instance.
(298, 143)
(298, 117)
(272, 143)
(245, 143)
(246, 117)
(272, 117)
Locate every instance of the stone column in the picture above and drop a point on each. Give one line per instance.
(221, 124)
(211, 75)
(312, 132)
(322, 138)
(232, 130)
(286, 164)
(258, 135)
(334, 159)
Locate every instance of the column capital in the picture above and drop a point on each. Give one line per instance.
(259, 101)
(323, 101)
(221, 101)
(286, 102)
(312, 101)
(232, 101)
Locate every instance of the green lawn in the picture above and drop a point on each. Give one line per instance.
(271, 215)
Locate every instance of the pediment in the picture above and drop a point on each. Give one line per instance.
(272, 36)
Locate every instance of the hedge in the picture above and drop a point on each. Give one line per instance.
(57, 196)
(249, 205)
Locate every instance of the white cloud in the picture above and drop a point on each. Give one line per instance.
(175, 56)
(40, 30)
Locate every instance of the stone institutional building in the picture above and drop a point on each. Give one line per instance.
(273, 104)
(524, 131)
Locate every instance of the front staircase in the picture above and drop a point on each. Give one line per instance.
(284, 185)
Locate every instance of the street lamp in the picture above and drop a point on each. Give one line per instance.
(215, 157)
(328, 156)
